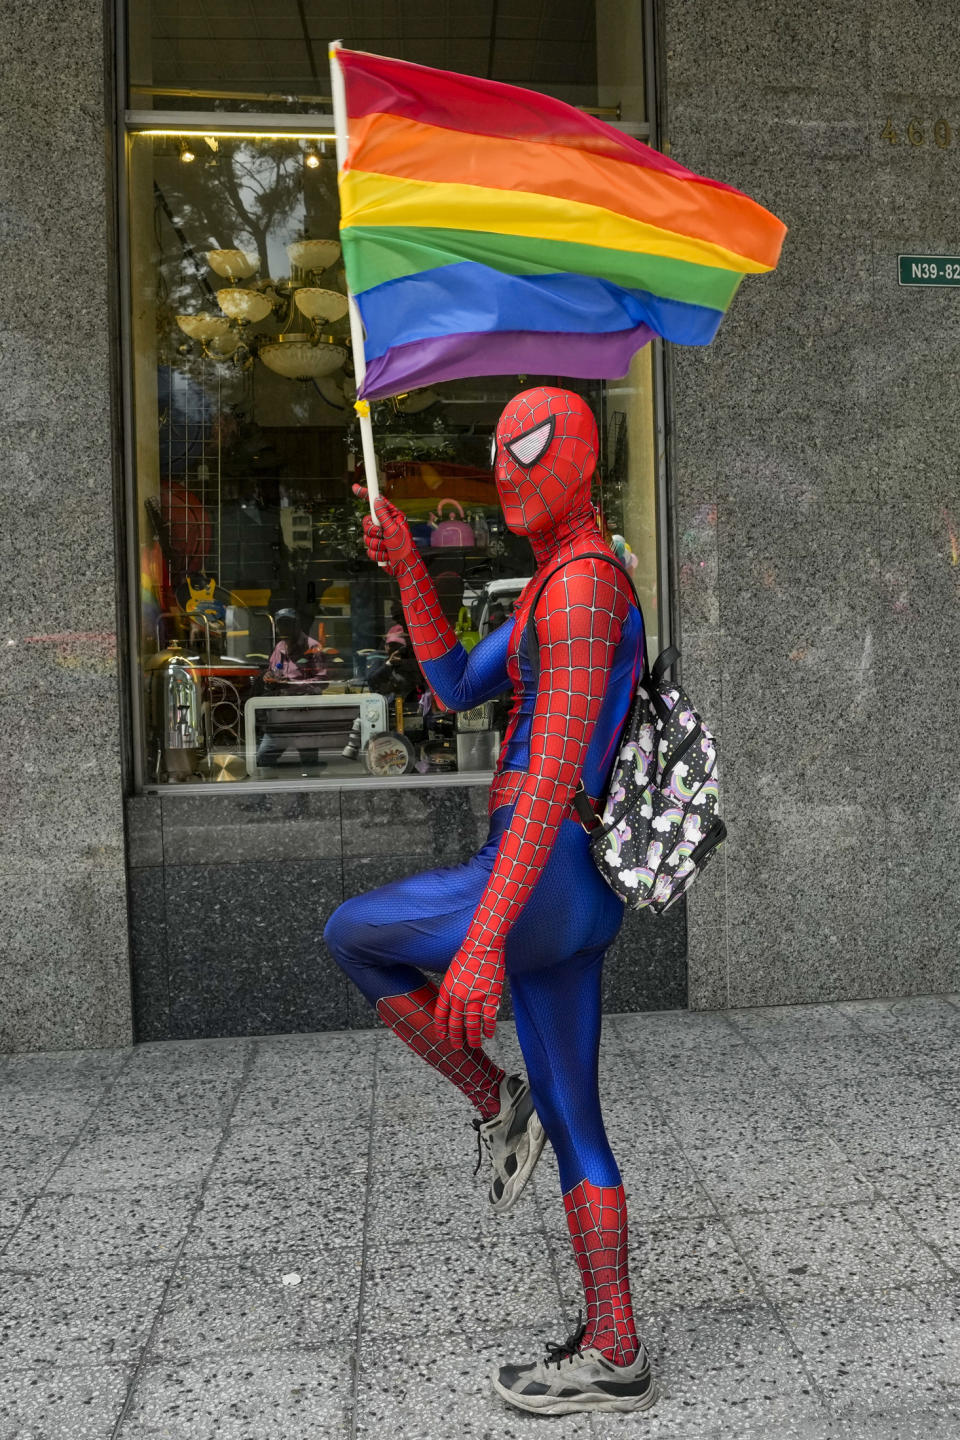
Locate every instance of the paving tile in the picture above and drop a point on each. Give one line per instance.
(81, 1316)
(841, 1105)
(688, 1262)
(61, 1070)
(102, 1228)
(722, 1370)
(741, 1125)
(27, 1162)
(304, 1099)
(925, 1424)
(283, 1212)
(934, 1217)
(438, 1385)
(660, 1182)
(105, 1161)
(438, 1104)
(892, 1353)
(446, 1145)
(188, 1059)
(832, 1251)
(43, 1113)
(728, 1070)
(761, 1092)
(772, 1025)
(853, 1057)
(466, 1285)
(50, 1402)
(243, 1306)
(453, 1201)
(148, 1101)
(317, 1148)
(12, 1210)
(930, 1018)
(784, 1176)
(297, 1395)
(894, 1154)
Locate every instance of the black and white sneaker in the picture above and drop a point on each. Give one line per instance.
(572, 1379)
(513, 1139)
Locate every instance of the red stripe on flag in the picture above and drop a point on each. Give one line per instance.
(375, 84)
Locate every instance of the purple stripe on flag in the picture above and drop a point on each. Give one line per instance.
(507, 352)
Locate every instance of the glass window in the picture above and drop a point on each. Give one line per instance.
(270, 647)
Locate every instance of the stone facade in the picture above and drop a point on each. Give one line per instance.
(814, 472)
(817, 516)
(64, 969)
(230, 893)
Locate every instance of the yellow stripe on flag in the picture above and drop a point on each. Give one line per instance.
(379, 200)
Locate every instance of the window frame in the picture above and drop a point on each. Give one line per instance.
(129, 122)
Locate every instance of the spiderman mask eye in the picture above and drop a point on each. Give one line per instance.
(526, 449)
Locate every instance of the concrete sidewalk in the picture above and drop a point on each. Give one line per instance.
(282, 1239)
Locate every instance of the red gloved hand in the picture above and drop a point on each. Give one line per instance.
(389, 541)
(466, 1007)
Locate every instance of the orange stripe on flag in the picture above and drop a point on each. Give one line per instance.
(408, 149)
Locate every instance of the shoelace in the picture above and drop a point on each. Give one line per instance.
(556, 1354)
(477, 1123)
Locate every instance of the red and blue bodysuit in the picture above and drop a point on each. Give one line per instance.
(530, 905)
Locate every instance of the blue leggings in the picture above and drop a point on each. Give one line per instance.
(386, 938)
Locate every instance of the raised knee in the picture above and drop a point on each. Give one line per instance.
(341, 933)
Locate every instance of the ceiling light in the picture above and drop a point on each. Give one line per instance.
(313, 254)
(319, 304)
(311, 159)
(186, 154)
(296, 358)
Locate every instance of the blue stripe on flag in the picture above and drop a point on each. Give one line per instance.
(472, 298)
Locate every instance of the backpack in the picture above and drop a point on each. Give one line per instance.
(658, 826)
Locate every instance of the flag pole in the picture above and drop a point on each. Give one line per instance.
(362, 407)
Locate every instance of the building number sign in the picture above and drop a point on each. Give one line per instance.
(919, 132)
(929, 269)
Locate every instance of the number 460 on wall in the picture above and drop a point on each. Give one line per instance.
(916, 132)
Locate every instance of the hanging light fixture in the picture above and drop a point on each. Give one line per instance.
(203, 327)
(234, 264)
(301, 357)
(247, 306)
(296, 353)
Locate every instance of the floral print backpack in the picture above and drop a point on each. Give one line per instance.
(659, 825)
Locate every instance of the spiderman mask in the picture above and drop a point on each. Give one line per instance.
(544, 455)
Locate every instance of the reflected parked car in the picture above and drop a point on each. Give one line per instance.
(491, 603)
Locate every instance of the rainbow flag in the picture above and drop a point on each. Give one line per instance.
(489, 230)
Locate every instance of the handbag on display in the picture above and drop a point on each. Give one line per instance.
(659, 826)
(450, 532)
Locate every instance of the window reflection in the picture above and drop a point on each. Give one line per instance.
(271, 648)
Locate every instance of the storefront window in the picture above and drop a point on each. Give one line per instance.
(270, 648)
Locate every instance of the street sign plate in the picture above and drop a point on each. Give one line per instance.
(929, 269)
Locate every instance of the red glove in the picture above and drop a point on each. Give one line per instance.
(389, 541)
(467, 1003)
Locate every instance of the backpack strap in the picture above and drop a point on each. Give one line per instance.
(588, 817)
(533, 644)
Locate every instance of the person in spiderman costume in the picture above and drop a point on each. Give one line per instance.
(530, 905)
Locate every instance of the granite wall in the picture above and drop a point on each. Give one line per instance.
(64, 970)
(814, 467)
(230, 893)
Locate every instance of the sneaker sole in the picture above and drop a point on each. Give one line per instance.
(544, 1405)
(517, 1183)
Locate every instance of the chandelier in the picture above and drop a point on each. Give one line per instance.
(301, 349)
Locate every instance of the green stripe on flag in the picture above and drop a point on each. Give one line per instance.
(376, 255)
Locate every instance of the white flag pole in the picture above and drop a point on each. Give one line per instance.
(362, 407)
